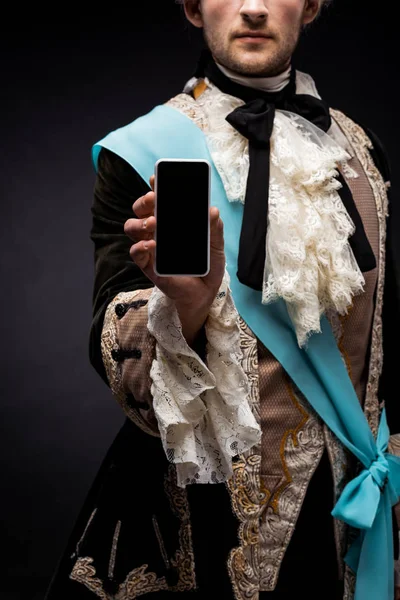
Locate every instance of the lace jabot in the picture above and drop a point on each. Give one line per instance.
(309, 262)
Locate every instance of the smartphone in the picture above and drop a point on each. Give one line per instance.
(182, 212)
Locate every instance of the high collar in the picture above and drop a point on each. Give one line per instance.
(267, 84)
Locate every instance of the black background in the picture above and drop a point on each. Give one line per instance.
(65, 83)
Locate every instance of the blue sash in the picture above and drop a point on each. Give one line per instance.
(318, 371)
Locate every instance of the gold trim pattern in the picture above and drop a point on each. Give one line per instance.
(138, 581)
(78, 545)
(113, 554)
(160, 542)
(247, 496)
(84, 572)
(293, 433)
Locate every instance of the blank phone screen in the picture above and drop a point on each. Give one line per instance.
(182, 213)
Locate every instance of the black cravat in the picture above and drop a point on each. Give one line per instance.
(255, 120)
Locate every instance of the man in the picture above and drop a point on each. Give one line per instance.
(274, 398)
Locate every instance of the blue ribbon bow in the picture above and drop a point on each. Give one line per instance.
(365, 503)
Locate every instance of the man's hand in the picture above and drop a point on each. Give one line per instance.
(193, 296)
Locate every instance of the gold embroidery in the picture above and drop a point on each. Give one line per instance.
(78, 545)
(244, 579)
(160, 542)
(243, 563)
(84, 572)
(247, 495)
(111, 566)
(138, 581)
(293, 433)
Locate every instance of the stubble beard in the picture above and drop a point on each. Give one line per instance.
(251, 62)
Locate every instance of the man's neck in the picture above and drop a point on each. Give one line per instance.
(267, 84)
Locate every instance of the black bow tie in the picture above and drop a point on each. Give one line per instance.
(255, 121)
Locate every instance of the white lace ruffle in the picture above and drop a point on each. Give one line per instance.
(309, 262)
(229, 149)
(203, 412)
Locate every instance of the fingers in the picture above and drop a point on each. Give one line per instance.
(216, 230)
(140, 229)
(142, 254)
(144, 206)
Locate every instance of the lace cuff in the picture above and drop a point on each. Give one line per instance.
(203, 411)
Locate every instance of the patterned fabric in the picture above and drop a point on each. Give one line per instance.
(125, 328)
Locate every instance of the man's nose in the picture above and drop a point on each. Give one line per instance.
(254, 10)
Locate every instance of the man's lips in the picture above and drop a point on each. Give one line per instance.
(253, 38)
(253, 34)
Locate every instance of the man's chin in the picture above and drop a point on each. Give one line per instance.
(252, 66)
